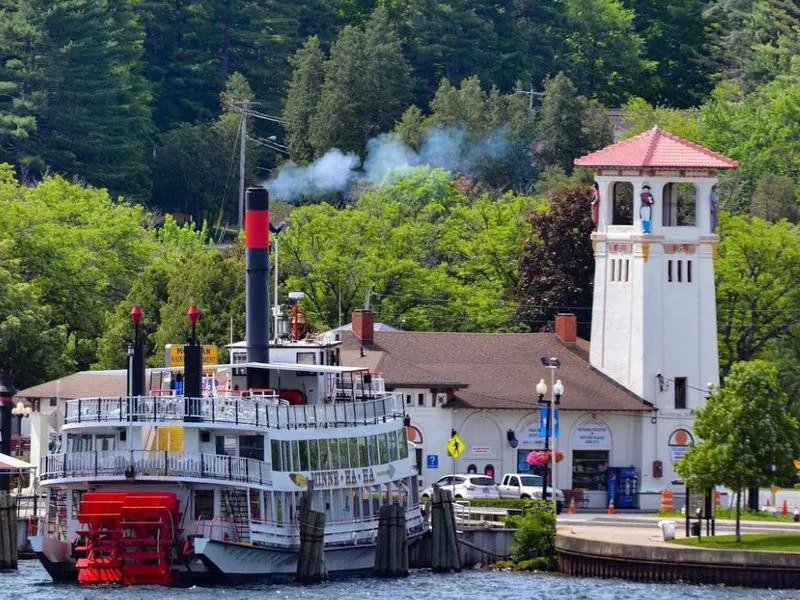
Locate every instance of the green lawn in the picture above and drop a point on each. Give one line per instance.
(727, 513)
(767, 542)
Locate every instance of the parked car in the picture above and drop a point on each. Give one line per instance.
(527, 485)
(467, 487)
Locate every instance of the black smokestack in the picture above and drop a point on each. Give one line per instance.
(256, 233)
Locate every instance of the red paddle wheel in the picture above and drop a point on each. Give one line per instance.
(127, 537)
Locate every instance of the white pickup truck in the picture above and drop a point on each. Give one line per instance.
(526, 485)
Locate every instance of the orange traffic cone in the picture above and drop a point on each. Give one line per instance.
(611, 509)
(572, 510)
(785, 509)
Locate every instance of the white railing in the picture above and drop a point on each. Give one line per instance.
(259, 411)
(133, 464)
(346, 532)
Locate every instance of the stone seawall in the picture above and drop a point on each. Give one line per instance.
(588, 557)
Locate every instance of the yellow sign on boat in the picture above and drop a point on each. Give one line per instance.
(174, 355)
(456, 446)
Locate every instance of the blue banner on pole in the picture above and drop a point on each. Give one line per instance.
(543, 422)
(555, 423)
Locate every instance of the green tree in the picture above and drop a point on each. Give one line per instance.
(603, 51)
(94, 122)
(77, 249)
(568, 125)
(556, 266)
(758, 129)
(30, 344)
(196, 173)
(744, 428)
(367, 86)
(302, 99)
(774, 199)
(675, 40)
(757, 270)
(18, 32)
(641, 116)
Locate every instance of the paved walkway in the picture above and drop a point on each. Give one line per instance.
(638, 529)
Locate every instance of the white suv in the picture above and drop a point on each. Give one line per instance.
(526, 485)
(467, 487)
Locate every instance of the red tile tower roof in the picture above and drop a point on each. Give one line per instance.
(656, 148)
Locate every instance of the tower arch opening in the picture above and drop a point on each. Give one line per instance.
(679, 205)
(622, 203)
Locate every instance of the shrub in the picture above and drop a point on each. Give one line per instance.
(536, 532)
(540, 563)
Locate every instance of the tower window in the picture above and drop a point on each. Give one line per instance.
(669, 271)
(421, 399)
(678, 205)
(680, 270)
(627, 268)
(613, 268)
(689, 271)
(623, 203)
(680, 392)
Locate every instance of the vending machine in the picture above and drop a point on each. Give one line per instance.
(623, 485)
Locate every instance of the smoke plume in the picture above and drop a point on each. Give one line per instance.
(336, 172)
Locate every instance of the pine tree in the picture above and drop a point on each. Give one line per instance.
(95, 117)
(18, 33)
(568, 125)
(302, 99)
(367, 85)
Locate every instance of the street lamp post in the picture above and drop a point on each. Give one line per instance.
(557, 390)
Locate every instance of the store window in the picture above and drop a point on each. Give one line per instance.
(590, 469)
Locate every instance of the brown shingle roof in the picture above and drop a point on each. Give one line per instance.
(80, 385)
(490, 370)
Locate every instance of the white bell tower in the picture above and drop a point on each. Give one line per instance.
(654, 325)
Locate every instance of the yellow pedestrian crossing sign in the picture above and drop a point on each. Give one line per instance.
(456, 446)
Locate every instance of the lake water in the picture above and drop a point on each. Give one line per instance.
(31, 582)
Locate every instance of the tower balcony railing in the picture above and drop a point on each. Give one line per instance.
(153, 464)
(253, 411)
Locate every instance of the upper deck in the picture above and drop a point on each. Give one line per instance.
(262, 411)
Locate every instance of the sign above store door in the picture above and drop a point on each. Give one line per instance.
(593, 435)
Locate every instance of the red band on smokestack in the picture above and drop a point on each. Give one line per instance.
(256, 229)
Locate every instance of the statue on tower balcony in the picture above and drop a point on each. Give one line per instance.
(714, 199)
(595, 205)
(646, 208)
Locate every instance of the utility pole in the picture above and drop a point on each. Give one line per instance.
(530, 94)
(242, 149)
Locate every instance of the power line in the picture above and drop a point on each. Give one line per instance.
(228, 180)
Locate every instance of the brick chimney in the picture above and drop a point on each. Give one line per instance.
(362, 325)
(566, 327)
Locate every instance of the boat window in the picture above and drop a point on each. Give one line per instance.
(104, 442)
(226, 445)
(79, 443)
(374, 459)
(333, 443)
(251, 446)
(402, 442)
(303, 455)
(324, 455)
(363, 456)
(383, 449)
(286, 457)
(276, 455)
(268, 506)
(296, 455)
(392, 446)
(375, 492)
(313, 455)
(204, 504)
(344, 460)
(353, 443)
(255, 504)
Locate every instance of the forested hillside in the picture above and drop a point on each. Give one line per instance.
(421, 151)
(126, 95)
